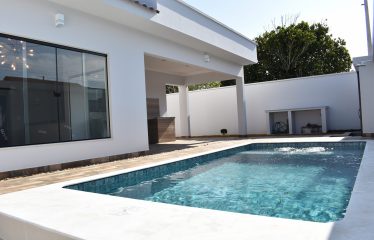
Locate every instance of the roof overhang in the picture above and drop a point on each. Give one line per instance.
(361, 61)
(176, 21)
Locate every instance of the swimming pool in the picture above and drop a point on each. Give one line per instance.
(305, 181)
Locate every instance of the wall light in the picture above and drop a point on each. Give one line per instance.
(206, 58)
(60, 20)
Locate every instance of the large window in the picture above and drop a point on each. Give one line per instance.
(50, 93)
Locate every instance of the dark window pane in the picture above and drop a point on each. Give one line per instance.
(12, 121)
(43, 94)
(49, 94)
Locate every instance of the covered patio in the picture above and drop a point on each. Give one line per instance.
(161, 71)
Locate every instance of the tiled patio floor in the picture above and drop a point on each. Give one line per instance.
(157, 153)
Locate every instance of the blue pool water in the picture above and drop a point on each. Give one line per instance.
(305, 181)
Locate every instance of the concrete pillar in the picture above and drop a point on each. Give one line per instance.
(367, 98)
(290, 122)
(269, 122)
(324, 120)
(184, 111)
(241, 105)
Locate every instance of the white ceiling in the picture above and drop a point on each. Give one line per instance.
(172, 67)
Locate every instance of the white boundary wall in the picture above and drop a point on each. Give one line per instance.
(367, 97)
(214, 109)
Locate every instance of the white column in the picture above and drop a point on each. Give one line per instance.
(184, 111)
(290, 122)
(324, 120)
(241, 105)
(268, 123)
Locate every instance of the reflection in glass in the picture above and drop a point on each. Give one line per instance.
(85, 76)
(70, 68)
(50, 94)
(96, 85)
(12, 125)
(43, 95)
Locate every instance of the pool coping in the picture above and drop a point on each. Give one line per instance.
(117, 217)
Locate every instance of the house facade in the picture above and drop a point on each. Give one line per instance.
(75, 75)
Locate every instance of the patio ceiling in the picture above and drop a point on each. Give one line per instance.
(163, 65)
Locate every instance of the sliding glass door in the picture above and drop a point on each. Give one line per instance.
(50, 93)
(83, 77)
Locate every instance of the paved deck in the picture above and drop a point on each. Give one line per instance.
(158, 153)
(53, 212)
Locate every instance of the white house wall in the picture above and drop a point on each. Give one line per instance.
(176, 21)
(210, 111)
(214, 109)
(198, 25)
(156, 87)
(367, 97)
(127, 90)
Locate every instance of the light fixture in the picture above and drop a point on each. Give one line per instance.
(14, 54)
(59, 20)
(206, 57)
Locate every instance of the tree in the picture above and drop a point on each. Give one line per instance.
(174, 89)
(204, 86)
(298, 50)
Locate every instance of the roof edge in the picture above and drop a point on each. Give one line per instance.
(216, 21)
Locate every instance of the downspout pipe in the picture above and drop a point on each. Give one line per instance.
(360, 102)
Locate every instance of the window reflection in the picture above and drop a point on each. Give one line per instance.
(50, 94)
(42, 96)
(12, 125)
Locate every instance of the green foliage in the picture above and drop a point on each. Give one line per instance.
(298, 50)
(204, 86)
(227, 83)
(171, 89)
(174, 89)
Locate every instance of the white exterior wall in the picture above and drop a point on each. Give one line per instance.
(173, 110)
(213, 109)
(367, 97)
(210, 111)
(127, 90)
(337, 91)
(156, 87)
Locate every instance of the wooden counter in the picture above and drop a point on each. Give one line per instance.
(161, 129)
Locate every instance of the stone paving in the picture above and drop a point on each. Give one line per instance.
(157, 153)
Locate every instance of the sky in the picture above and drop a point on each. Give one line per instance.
(346, 18)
